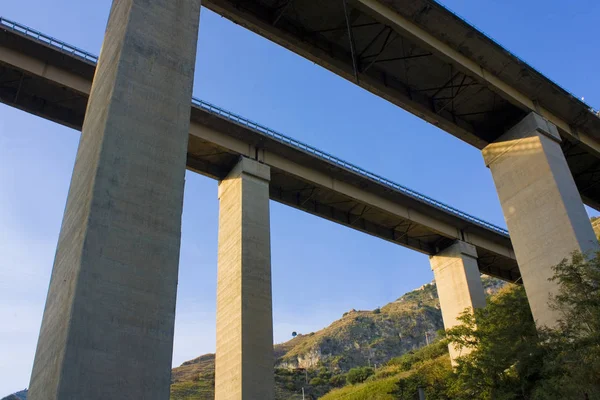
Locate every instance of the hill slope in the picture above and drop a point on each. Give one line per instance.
(318, 361)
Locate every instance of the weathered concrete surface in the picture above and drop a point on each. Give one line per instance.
(107, 330)
(542, 207)
(244, 357)
(459, 286)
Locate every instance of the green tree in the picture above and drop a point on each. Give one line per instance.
(573, 349)
(359, 374)
(337, 380)
(506, 359)
(316, 381)
(510, 359)
(434, 376)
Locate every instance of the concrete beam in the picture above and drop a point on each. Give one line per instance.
(338, 65)
(107, 330)
(328, 182)
(542, 207)
(459, 287)
(383, 12)
(244, 357)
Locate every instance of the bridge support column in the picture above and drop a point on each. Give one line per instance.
(542, 207)
(458, 283)
(244, 357)
(107, 329)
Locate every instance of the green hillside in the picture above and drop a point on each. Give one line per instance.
(194, 379)
(320, 361)
(425, 361)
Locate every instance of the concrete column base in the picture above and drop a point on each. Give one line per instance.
(244, 356)
(542, 207)
(459, 287)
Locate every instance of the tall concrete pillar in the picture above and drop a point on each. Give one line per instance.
(542, 207)
(107, 329)
(244, 358)
(458, 283)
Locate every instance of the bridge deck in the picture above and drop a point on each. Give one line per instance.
(51, 79)
(425, 59)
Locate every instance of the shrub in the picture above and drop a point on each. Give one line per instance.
(317, 382)
(324, 373)
(414, 357)
(359, 375)
(337, 380)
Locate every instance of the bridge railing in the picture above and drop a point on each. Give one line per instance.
(91, 58)
(48, 40)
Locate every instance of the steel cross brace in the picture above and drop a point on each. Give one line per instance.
(351, 38)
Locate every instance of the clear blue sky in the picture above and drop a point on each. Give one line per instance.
(320, 269)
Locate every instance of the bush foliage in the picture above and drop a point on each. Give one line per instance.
(510, 359)
(359, 374)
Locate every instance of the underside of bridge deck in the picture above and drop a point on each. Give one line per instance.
(420, 56)
(53, 83)
(380, 58)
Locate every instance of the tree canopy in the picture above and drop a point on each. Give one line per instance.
(510, 359)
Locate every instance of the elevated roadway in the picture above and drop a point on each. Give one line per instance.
(50, 79)
(422, 57)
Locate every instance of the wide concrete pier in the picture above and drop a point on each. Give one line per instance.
(458, 283)
(244, 357)
(542, 207)
(107, 329)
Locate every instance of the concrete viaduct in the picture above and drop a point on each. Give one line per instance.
(109, 317)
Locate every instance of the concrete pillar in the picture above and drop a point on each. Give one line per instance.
(244, 357)
(458, 283)
(107, 329)
(542, 207)
(596, 227)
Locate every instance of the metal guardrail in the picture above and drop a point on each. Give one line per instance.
(213, 109)
(48, 40)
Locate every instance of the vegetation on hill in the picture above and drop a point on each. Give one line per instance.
(194, 379)
(514, 361)
(381, 354)
(416, 368)
(510, 359)
(354, 349)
